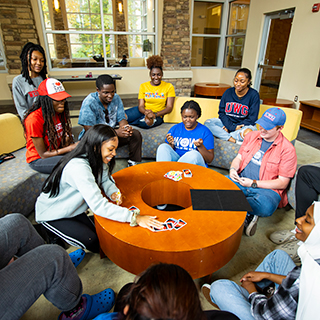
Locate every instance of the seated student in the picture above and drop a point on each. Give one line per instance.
(297, 288)
(263, 167)
(41, 269)
(238, 110)
(188, 141)
(163, 291)
(123, 62)
(306, 192)
(48, 128)
(25, 85)
(76, 184)
(156, 98)
(105, 106)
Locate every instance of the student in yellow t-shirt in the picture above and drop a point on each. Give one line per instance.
(156, 98)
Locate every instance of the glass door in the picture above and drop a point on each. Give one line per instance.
(272, 54)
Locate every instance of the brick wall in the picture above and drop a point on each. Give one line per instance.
(18, 27)
(175, 47)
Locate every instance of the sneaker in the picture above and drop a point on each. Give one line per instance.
(250, 225)
(131, 163)
(283, 236)
(161, 206)
(239, 142)
(90, 306)
(291, 248)
(205, 289)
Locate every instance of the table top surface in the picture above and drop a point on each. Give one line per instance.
(84, 78)
(212, 84)
(203, 229)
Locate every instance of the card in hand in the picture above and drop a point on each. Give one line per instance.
(181, 223)
(133, 208)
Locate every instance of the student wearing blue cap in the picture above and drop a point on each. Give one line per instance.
(263, 167)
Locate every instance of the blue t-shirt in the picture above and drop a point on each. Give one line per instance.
(93, 112)
(184, 139)
(234, 110)
(252, 170)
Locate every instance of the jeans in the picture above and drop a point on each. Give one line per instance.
(231, 297)
(166, 153)
(45, 165)
(215, 126)
(136, 118)
(263, 202)
(39, 269)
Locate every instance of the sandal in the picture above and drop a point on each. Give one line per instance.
(6, 156)
(77, 256)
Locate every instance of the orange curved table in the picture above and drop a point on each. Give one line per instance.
(208, 241)
(210, 89)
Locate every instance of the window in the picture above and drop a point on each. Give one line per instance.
(3, 63)
(97, 33)
(211, 33)
(238, 17)
(206, 33)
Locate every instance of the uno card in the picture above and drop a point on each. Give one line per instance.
(172, 221)
(163, 229)
(187, 173)
(181, 223)
(169, 226)
(132, 208)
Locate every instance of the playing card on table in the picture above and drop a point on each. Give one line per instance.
(181, 223)
(172, 220)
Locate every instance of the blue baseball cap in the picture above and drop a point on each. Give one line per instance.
(271, 118)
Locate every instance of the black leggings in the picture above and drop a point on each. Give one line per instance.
(78, 231)
(307, 188)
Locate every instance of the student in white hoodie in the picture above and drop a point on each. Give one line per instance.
(76, 184)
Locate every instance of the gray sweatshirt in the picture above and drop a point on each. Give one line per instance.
(78, 191)
(24, 94)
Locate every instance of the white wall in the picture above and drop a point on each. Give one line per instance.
(302, 62)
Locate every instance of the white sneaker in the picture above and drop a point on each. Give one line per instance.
(291, 248)
(283, 236)
(132, 163)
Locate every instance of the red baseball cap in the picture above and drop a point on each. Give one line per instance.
(52, 88)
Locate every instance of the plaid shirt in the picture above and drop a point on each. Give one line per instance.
(282, 305)
(284, 302)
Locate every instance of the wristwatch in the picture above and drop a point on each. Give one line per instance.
(254, 184)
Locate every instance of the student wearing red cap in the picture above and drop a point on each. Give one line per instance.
(48, 128)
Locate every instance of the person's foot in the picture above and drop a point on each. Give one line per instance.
(291, 248)
(77, 256)
(161, 206)
(90, 306)
(250, 225)
(283, 236)
(205, 289)
(131, 163)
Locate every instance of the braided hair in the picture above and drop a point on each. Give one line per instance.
(49, 128)
(154, 62)
(25, 58)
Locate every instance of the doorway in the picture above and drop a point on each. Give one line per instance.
(272, 55)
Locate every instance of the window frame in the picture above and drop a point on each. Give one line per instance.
(101, 32)
(223, 36)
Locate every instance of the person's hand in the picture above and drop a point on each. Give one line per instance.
(116, 197)
(233, 174)
(238, 127)
(149, 114)
(170, 139)
(124, 131)
(254, 276)
(148, 222)
(246, 182)
(249, 286)
(225, 129)
(198, 143)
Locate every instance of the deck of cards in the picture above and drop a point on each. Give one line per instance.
(174, 175)
(171, 224)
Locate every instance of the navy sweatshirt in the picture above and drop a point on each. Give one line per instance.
(234, 110)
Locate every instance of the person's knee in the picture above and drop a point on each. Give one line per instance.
(219, 286)
(136, 135)
(194, 156)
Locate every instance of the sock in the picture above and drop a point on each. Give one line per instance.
(77, 312)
